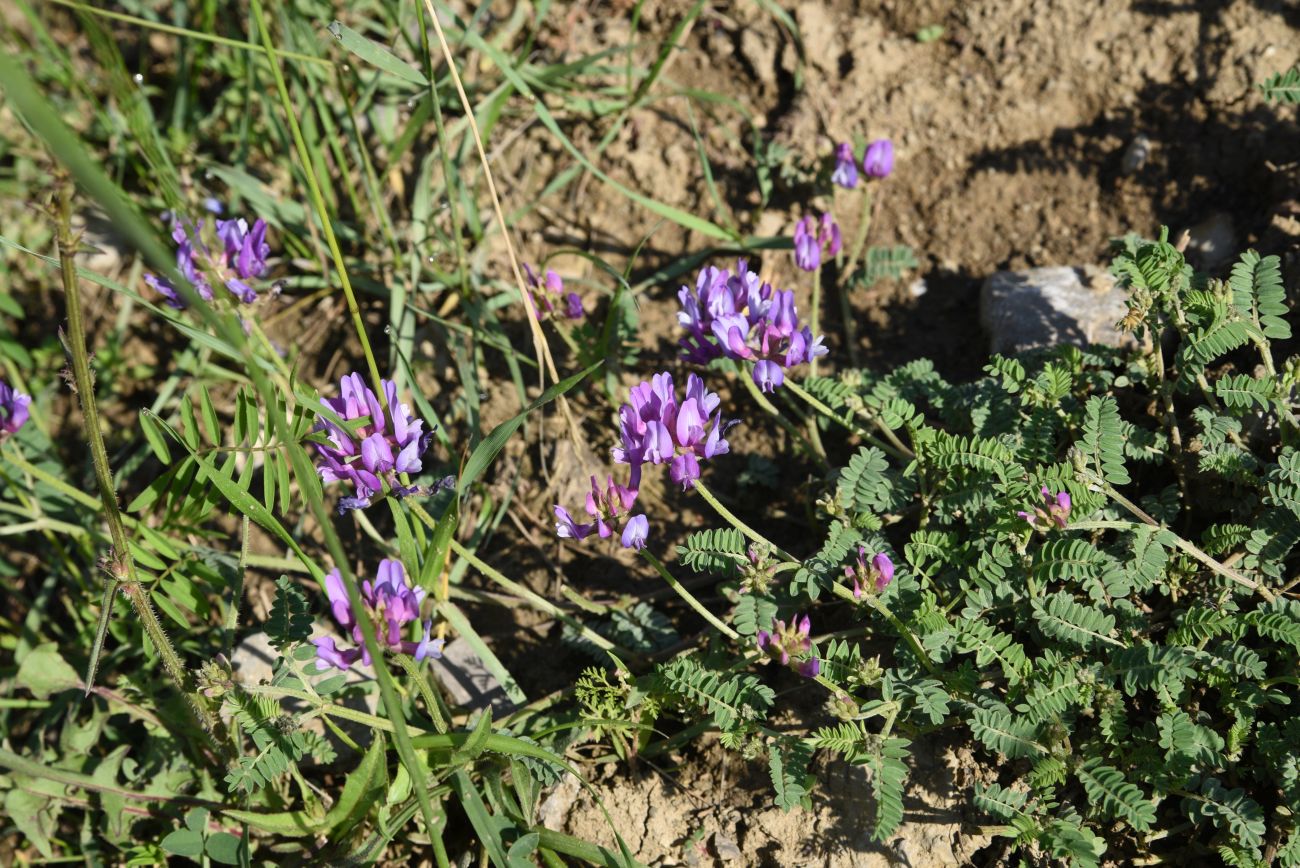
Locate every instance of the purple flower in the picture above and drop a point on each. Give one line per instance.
(1055, 511)
(873, 573)
(739, 316)
(656, 428)
(390, 604)
(548, 291)
(369, 455)
(846, 170)
(13, 409)
(242, 258)
(812, 238)
(573, 306)
(611, 507)
(878, 161)
(784, 644)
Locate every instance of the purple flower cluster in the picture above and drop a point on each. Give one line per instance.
(656, 428)
(1054, 512)
(791, 643)
(241, 257)
(391, 603)
(877, 163)
(609, 507)
(872, 573)
(370, 455)
(742, 318)
(13, 409)
(812, 239)
(550, 292)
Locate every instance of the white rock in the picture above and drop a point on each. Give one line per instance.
(1043, 307)
(468, 681)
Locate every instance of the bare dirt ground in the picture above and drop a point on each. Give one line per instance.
(1011, 133)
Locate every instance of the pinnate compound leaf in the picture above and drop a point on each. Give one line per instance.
(1118, 798)
(1232, 810)
(1000, 802)
(788, 765)
(1015, 738)
(1259, 295)
(1103, 439)
(888, 774)
(1067, 620)
(291, 619)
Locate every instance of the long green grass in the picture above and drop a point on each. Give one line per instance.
(350, 137)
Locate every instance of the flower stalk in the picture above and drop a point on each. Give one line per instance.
(688, 596)
(739, 525)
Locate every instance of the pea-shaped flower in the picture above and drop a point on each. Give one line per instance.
(369, 456)
(237, 255)
(846, 170)
(390, 603)
(812, 239)
(878, 161)
(656, 428)
(873, 573)
(13, 409)
(791, 646)
(1054, 511)
(611, 508)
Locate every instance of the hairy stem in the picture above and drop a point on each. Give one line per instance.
(689, 597)
(1183, 544)
(739, 525)
(903, 630)
(894, 447)
(818, 454)
(121, 565)
(846, 280)
(431, 700)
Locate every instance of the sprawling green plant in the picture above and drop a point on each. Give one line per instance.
(1090, 560)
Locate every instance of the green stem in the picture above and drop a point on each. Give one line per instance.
(689, 597)
(431, 700)
(739, 525)
(903, 630)
(121, 565)
(894, 447)
(1186, 546)
(318, 202)
(237, 590)
(814, 315)
(860, 237)
(537, 602)
(818, 455)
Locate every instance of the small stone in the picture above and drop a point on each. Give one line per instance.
(1135, 155)
(1044, 307)
(726, 849)
(468, 681)
(1213, 241)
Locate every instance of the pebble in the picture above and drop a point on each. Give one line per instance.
(1213, 242)
(1135, 155)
